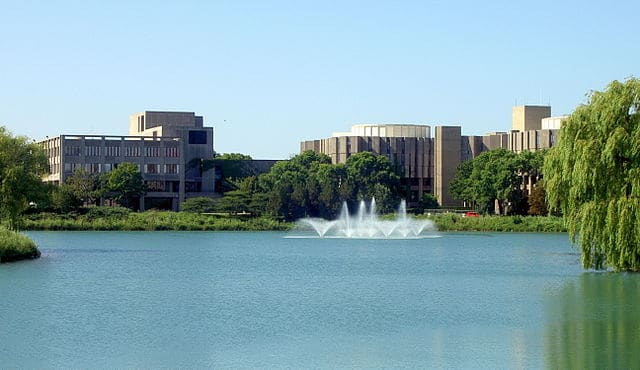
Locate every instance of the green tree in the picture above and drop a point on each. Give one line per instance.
(199, 205)
(537, 203)
(235, 201)
(333, 189)
(233, 157)
(461, 186)
(428, 201)
(291, 186)
(22, 165)
(79, 189)
(372, 176)
(125, 185)
(491, 176)
(593, 177)
(64, 199)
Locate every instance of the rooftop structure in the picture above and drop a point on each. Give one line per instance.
(529, 117)
(387, 130)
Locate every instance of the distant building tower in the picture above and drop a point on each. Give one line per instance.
(529, 117)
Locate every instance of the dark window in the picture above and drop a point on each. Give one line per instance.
(197, 137)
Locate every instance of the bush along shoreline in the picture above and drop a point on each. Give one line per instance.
(121, 219)
(455, 222)
(16, 247)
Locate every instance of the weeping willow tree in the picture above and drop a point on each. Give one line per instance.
(593, 177)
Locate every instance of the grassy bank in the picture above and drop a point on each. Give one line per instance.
(149, 221)
(15, 247)
(455, 222)
(118, 219)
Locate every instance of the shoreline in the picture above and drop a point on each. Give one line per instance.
(184, 221)
(16, 247)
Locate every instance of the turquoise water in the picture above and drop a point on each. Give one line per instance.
(260, 300)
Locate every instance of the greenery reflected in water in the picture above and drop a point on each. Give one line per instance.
(594, 323)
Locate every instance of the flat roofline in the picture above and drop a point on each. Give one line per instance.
(113, 137)
(164, 111)
(391, 124)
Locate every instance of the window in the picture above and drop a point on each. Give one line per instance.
(107, 167)
(71, 150)
(197, 137)
(152, 151)
(151, 168)
(170, 168)
(92, 167)
(171, 152)
(92, 151)
(132, 151)
(112, 151)
(155, 185)
(192, 187)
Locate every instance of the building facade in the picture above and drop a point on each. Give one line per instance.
(428, 164)
(407, 146)
(168, 148)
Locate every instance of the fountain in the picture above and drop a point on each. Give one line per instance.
(366, 225)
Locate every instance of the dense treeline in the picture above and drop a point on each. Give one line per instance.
(309, 185)
(123, 185)
(497, 176)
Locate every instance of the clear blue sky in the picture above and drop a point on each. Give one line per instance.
(268, 74)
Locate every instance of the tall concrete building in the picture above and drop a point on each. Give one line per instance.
(408, 147)
(447, 158)
(428, 165)
(168, 148)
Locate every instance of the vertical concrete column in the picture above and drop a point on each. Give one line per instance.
(447, 157)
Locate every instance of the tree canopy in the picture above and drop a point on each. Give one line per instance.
(593, 177)
(125, 185)
(22, 165)
(495, 175)
(233, 157)
(310, 185)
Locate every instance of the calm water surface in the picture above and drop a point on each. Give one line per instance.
(260, 300)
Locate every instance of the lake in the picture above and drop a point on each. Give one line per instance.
(262, 300)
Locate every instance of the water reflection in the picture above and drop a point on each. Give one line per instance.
(594, 323)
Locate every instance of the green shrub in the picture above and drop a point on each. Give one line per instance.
(95, 212)
(15, 246)
(98, 219)
(199, 205)
(455, 222)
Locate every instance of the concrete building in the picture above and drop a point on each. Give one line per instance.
(553, 123)
(168, 148)
(408, 146)
(528, 117)
(429, 164)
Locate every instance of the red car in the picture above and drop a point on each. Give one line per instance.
(471, 214)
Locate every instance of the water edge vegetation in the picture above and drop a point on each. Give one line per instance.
(15, 246)
(118, 219)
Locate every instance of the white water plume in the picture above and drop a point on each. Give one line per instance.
(365, 224)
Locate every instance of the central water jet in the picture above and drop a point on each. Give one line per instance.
(365, 224)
